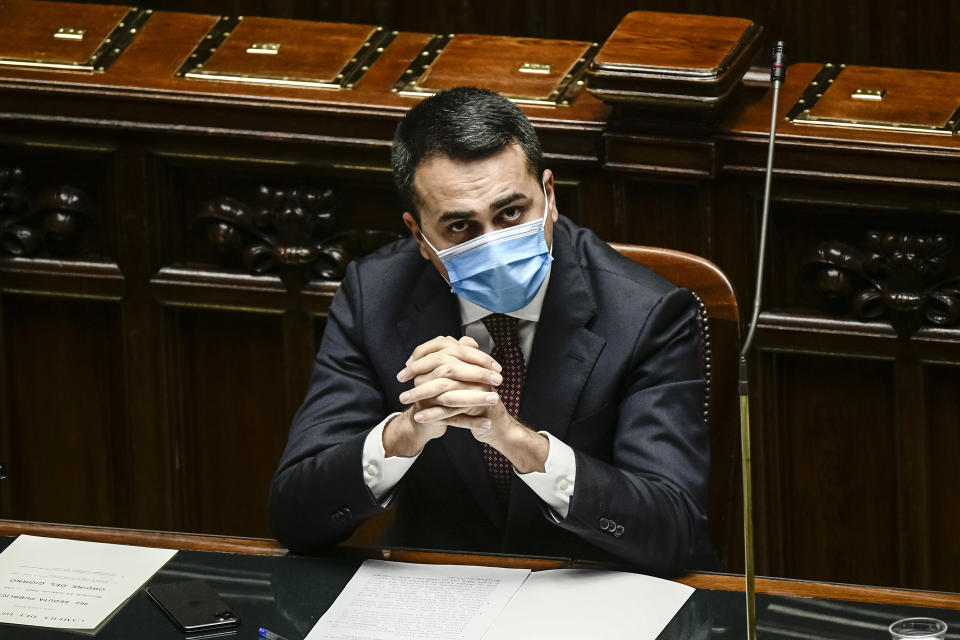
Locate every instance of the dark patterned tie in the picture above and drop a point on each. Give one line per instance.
(506, 351)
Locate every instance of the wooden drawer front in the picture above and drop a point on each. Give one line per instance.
(886, 99)
(527, 70)
(292, 52)
(64, 35)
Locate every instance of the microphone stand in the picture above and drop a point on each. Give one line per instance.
(777, 76)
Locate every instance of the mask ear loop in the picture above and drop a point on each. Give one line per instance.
(436, 253)
(429, 244)
(546, 210)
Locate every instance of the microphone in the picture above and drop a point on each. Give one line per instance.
(778, 73)
(778, 70)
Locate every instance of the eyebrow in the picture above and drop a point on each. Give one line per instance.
(502, 202)
(446, 216)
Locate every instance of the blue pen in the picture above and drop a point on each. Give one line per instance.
(269, 635)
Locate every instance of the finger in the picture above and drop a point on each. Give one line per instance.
(474, 423)
(483, 385)
(460, 375)
(439, 413)
(426, 387)
(438, 395)
(470, 342)
(443, 364)
(430, 346)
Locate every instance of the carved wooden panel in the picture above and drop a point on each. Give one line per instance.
(56, 202)
(890, 265)
(292, 232)
(227, 380)
(293, 222)
(63, 424)
(900, 277)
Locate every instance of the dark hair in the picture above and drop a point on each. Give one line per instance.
(463, 124)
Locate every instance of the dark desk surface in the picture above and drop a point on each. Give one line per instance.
(287, 594)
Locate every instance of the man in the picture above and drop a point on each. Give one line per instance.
(567, 422)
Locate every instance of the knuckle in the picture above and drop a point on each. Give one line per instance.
(445, 370)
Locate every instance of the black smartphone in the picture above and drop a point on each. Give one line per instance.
(193, 606)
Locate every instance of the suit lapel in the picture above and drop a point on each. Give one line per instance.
(563, 356)
(564, 350)
(433, 311)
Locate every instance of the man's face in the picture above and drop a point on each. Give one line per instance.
(461, 200)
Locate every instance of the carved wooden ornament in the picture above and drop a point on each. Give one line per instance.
(291, 232)
(902, 277)
(55, 222)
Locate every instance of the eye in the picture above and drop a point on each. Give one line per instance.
(457, 226)
(513, 213)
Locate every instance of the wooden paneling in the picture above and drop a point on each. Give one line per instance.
(941, 471)
(827, 440)
(65, 422)
(666, 213)
(227, 393)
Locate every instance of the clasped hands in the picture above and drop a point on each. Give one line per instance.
(454, 384)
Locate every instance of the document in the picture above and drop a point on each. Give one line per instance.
(69, 584)
(576, 604)
(387, 600)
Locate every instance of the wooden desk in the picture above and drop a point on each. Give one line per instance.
(267, 547)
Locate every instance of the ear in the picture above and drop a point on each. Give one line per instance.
(411, 223)
(551, 194)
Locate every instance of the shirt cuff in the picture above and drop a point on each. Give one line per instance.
(554, 485)
(380, 473)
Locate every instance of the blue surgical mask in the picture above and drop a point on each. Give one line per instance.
(500, 271)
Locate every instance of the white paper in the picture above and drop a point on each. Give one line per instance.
(69, 584)
(576, 604)
(387, 600)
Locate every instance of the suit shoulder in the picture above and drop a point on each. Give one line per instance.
(600, 262)
(390, 254)
(395, 260)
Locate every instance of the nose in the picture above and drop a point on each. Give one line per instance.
(488, 226)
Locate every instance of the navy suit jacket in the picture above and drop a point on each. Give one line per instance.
(614, 372)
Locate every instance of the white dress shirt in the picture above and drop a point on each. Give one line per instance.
(554, 485)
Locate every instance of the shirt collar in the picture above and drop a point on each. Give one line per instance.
(470, 312)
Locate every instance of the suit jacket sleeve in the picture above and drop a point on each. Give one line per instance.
(318, 495)
(647, 504)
